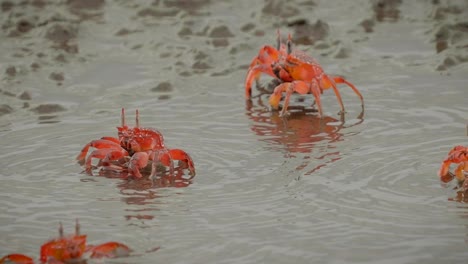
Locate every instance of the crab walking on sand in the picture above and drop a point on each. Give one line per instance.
(298, 72)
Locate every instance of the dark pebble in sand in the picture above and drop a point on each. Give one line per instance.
(48, 108)
(25, 96)
(7, 93)
(86, 4)
(368, 25)
(307, 34)
(57, 76)
(221, 32)
(157, 12)
(184, 4)
(283, 9)
(342, 53)
(449, 62)
(185, 74)
(6, 6)
(11, 71)
(247, 27)
(23, 26)
(386, 10)
(222, 73)
(443, 33)
(259, 33)
(124, 32)
(5, 109)
(162, 87)
(35, 66)
(441, 46)
(61, 34)
(322, 45)
(185, 31)
(38, 3)
(441, 68)
(199, 65)
(220, 42)
(200, 55)
(164, 97)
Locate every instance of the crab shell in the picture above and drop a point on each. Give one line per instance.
(64, 249)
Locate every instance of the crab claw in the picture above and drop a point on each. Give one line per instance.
(459, 155)
(16, 259)
(178, 154)
(261, 64)
(103, 147)
(444, 174)
(109, 250)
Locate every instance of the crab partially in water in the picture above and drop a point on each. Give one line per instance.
(134, 149)
(457, 155)
(297, 71)
(70, 249)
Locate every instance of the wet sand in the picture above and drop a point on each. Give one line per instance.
(267, 189)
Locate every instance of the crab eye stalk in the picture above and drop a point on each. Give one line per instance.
(289, 44)
(137, 118)
(77, 227)
(278, 39)
(60, 230)
(123, 117)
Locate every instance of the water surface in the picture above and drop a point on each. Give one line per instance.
(268, 189)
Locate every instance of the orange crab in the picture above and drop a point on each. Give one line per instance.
(133, 150)
(459, 155)
(298, 72)
(16, 259)
(70, 249)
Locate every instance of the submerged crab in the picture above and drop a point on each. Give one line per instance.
(458, 155)
(133, 150)
(298, 72)
(70, 249)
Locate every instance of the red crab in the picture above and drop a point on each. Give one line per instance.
(16, 259)
(133, 150)
(459, 155)
(70, 249)
(298, 72)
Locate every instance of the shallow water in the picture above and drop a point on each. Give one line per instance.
(267, 189)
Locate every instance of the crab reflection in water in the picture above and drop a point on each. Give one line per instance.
(145, 193)
(302, 131)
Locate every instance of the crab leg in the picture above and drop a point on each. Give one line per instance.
(326, 83)
(139, 160)
(161, 156)
(339, 79)
(113, 139)
(16, 259)
(105, 155)
(300, 87)
(275, 97)
(99, 144)
(109, 250)
(315, 89)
